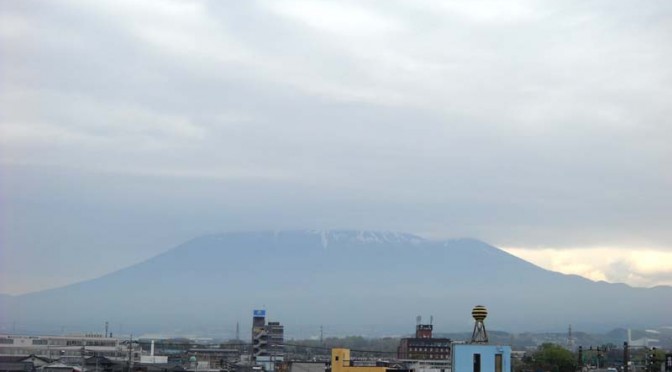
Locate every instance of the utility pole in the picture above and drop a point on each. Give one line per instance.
(570, 339)
(652, 359)
(130, 352)
(83, 354)
(580, 357)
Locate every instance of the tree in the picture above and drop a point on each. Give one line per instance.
(554, 358)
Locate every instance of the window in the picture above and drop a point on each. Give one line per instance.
(40, 342)
(6, 341)
(477, 362)
(498, 362)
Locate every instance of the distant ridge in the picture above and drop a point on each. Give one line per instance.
(353, 282)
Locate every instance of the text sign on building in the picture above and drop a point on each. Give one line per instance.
(261, 313)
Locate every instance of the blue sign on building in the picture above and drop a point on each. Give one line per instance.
(259, 313)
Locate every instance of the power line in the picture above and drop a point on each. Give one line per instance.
(316, 348)
(352, 350)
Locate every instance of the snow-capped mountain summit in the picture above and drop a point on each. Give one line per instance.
(349, 281)
(366, 237)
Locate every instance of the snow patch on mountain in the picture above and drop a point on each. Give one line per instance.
(365, 237)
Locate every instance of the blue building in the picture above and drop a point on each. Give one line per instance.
(481, 358)
(478, 355)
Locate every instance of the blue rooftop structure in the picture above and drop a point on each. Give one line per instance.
(481, 358)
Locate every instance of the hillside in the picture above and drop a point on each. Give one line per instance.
(351, 282)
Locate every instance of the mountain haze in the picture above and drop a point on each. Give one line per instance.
(351, 282)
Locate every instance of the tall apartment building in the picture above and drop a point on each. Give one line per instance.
(276, 338)
(259, 335)
(267, 339)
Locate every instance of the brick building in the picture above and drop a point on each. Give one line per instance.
(423, 346)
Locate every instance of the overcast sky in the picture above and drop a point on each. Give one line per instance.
(128, 127)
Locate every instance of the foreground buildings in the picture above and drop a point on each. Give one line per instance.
(266, 352)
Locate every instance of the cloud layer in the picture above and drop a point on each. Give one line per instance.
(639, 267)
(129, 127)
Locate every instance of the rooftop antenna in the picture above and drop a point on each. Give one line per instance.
(107, 326)
(431, 319)
(418, 320)
(237, 331)
(480, 336)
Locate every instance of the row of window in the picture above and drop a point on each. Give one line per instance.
(430, 356)
(79, 343)
(430, 349)
(430, 344)
(56, 353)
(58, 342)
(498, 363)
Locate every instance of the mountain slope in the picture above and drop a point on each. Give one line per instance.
(350, 281)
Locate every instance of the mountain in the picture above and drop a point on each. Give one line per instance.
(351, 282)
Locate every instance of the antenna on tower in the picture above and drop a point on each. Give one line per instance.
(107, 326)
(431, 319)
(480, 336)
(418, 320)
(237, 331)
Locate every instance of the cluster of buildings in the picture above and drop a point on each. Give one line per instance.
(103, 353)
(423, 353)
(265, 353)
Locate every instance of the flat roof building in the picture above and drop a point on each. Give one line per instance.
(59, 346)
(423, 346)
(481, 358)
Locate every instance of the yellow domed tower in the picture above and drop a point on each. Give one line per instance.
(480, 336)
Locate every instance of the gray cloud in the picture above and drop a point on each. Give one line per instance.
(131, 127)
